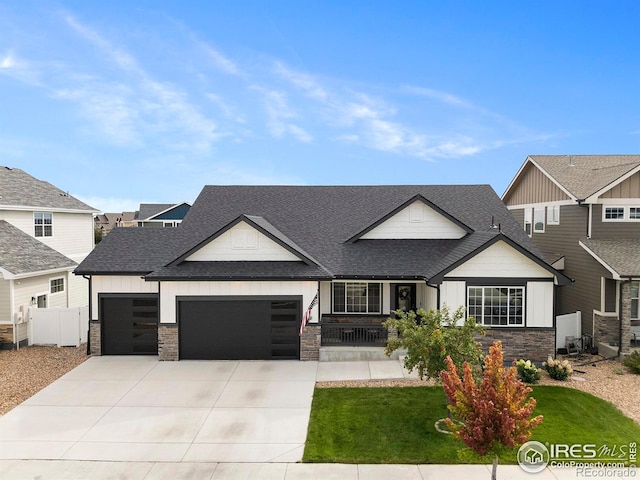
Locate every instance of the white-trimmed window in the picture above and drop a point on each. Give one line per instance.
(635, 290)
(357, 297)
(538, 219)
(553, 215)
(613, 213)
(57, 285)
(634, 213)
(497, 306)
(42, 224)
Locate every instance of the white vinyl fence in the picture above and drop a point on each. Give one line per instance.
(64, 327)
(569, 325)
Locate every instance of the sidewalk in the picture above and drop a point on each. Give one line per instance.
(75, 470)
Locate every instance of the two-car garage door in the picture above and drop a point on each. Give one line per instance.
(209, 328)
(250, 328)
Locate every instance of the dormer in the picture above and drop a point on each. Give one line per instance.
(416, 219)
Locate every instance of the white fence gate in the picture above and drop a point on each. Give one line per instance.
(569, 325)
(64, 327)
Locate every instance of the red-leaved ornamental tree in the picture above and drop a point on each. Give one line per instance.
(494, 414)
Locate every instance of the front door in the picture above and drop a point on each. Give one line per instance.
(406, 297)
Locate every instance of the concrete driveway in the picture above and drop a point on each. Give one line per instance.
(140, 409)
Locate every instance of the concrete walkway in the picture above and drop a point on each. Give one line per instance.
(138, 418)
(77, 470)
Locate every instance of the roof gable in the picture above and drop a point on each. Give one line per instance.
(585, 176)
(500, 259)
(175, 212)
(417, 218)
(242, 242)
(533, 185)
(247, 238)
(495, 255)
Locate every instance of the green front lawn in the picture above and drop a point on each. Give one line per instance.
(396, 425)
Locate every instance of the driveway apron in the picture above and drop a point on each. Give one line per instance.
(138, 409)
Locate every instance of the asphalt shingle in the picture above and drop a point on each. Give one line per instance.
(317, 220)
(21, 253)
(621, 254)
(18, 188)
(584, 175)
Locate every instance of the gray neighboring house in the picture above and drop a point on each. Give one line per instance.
(44, 234)
(249, 263)
(583, 212)
(158, 215)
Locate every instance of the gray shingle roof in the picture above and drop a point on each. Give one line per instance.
(317, 220)
(621, 254)
(148, 210)
(18, 188)
(584, 175)
(134, 250)
(21, 253)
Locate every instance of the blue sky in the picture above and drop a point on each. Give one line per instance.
(147, 101)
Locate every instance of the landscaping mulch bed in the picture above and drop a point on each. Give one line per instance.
(26, 371)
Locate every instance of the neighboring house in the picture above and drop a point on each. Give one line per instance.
(234, 281)
(44, 234)
(583, 212)
(108, 221)
(154, 215)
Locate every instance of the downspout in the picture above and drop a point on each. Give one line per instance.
(88, 277)
(12, 311)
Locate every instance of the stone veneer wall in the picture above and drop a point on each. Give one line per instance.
(310, 343)
(528, 343)
(95, 337)
(168, 346)
(6, 337)
(607, 329)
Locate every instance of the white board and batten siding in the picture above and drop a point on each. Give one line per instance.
(242, 242)
(171, 290)
(118, 284)
(502, 261)
(416, 221)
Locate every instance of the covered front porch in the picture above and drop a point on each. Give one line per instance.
(352, 314)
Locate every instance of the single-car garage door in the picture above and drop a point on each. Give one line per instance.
(253, 328)
(129, 324)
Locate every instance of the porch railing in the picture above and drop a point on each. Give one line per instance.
(353, 334)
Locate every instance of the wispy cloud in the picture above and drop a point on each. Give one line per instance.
(444, 97)
(280, 115)
(19, 69)
(126, 114)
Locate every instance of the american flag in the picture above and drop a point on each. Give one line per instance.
(307, 314)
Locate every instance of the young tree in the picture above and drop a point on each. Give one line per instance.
(430, 337)
(494, 415)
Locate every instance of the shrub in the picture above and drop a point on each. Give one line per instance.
(430, 337)
(558, 370)
(527, 371)
(633, 362)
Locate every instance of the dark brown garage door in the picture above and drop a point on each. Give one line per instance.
(129, 324)
(251, 328)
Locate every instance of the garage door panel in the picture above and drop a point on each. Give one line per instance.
(129, 325)
(238, 329)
